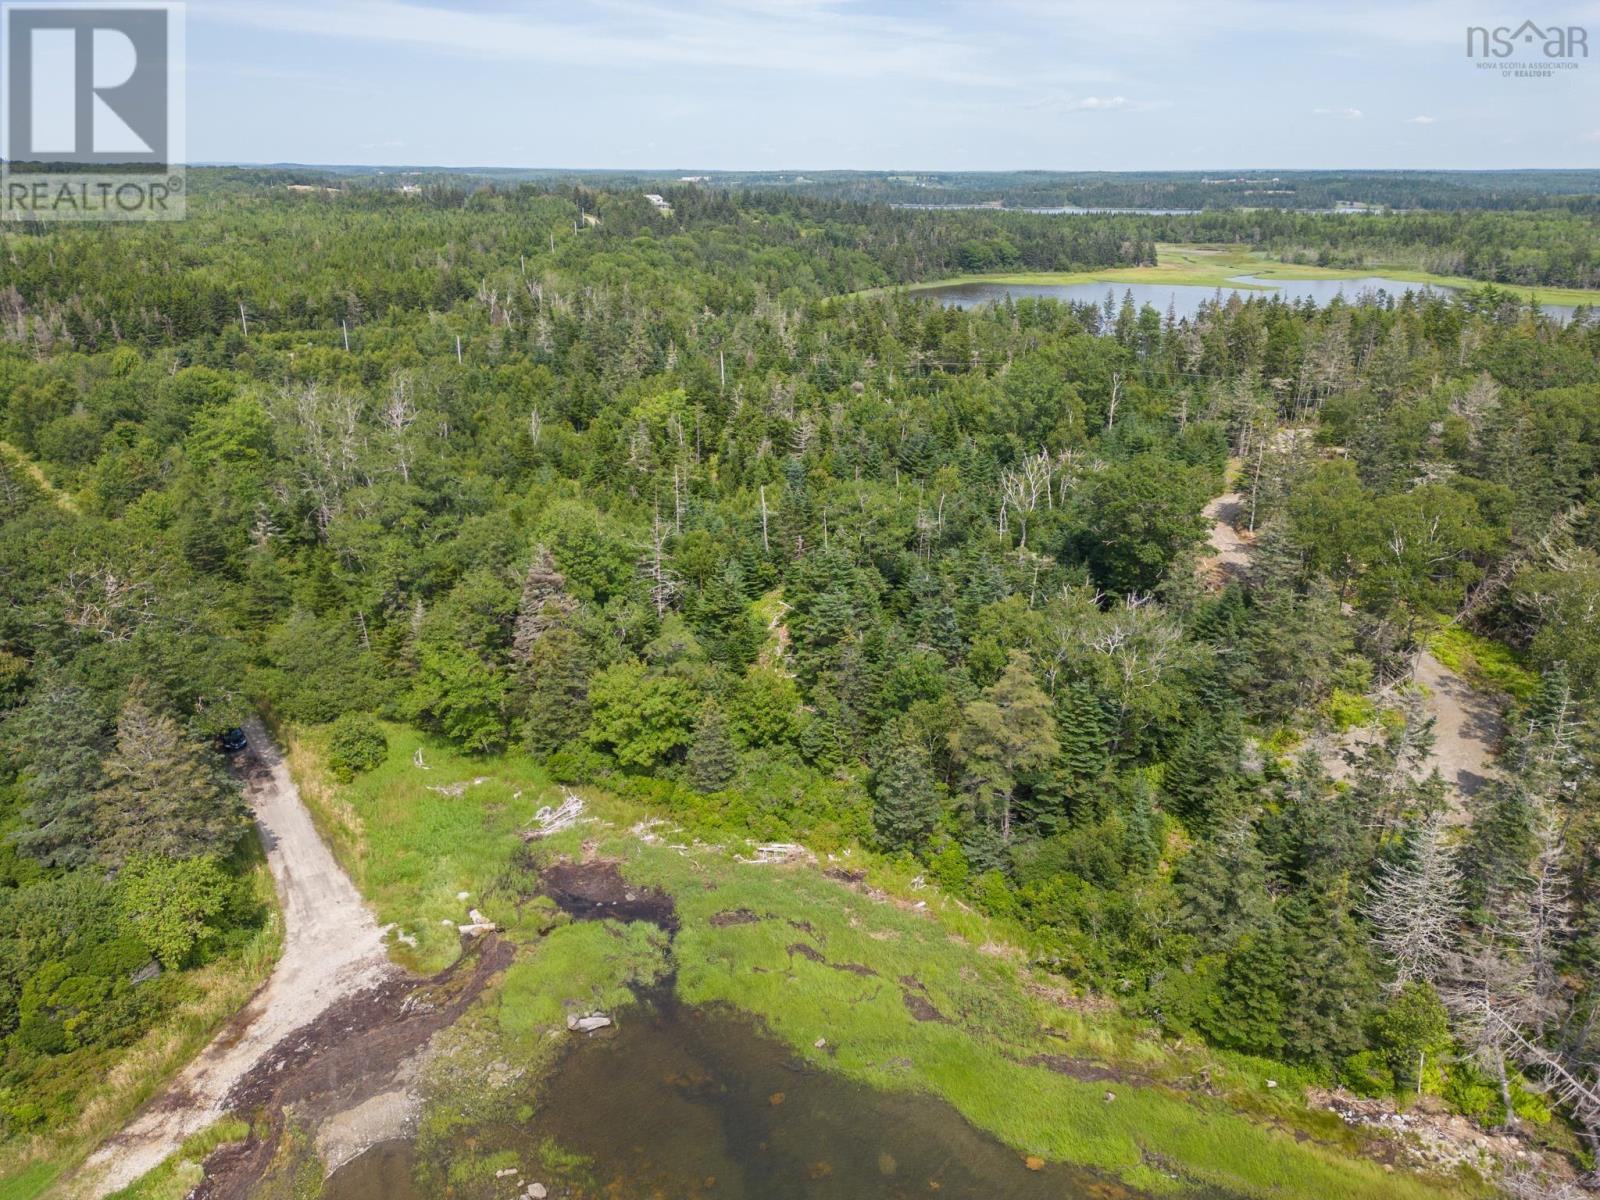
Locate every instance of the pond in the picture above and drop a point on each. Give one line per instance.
(1185, 299)
(689, 1103)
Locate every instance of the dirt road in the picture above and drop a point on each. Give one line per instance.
(1467, 727)
(1230, 550)
(332, 949)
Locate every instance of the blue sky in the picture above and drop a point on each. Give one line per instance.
(942, 84)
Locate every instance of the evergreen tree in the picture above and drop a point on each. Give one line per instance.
(712, 762)
(1253, 996)
(556, 698)
(1206, 756)
(60, 739)
(1330, 988)
(1222, 885)
(905, 806)
(164, 796)
(1083, 729)
(544, 604)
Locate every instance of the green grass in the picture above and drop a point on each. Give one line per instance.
(1218, 265)
(31, 1180)
(1483, 662)
(414, 849)
(177, 1176)
(1347, 710)
(590, 966)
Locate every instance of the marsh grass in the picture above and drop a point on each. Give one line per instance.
(1219, 264)
(879, 935)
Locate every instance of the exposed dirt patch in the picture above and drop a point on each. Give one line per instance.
(1229, 556)
(1088, 1071)
(596, 891)
(733, 916)
(351, 1053)
(1467, 728)
(845, 874)
(816, 956)
(915, 995)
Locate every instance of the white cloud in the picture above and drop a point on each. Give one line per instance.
(1422, 120)
(797, 35)
(1097, 103)
(1592, 136)
(1344, 114)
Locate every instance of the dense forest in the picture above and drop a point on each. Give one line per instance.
(657, 500)
(1254, 187)
(1263, 188)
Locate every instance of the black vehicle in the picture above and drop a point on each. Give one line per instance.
(233, 741)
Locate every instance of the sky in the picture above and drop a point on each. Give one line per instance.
(874, 85)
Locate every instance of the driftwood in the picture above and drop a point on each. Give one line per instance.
(776, 852)
(553, 820)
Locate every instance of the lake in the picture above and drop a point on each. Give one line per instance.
(689, 1103)
(1185, 299)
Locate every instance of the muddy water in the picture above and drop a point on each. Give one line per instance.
(697, 1105)
(382, 1173)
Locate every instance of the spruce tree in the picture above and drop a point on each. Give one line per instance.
(712, 761)
(164, 795)
(544, 604)
(905, 806)
(556, 698)
(60, 739)
(1084, 732)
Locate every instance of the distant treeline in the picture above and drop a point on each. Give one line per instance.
(1574, 190)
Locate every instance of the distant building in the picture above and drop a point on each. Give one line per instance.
(660, 202)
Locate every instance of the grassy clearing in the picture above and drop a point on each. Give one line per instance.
(1220, 265)
(132, 1076)
(1484, 663)
(414, 849)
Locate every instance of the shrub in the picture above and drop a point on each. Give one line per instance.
(1366, 1074)
(355, 744)
(170, 904)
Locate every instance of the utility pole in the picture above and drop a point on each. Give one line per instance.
(722, 374)
(345, 325)
(244, 322)
(458, 349)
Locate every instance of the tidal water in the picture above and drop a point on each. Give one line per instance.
(701, 1105)
(1185, 299)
